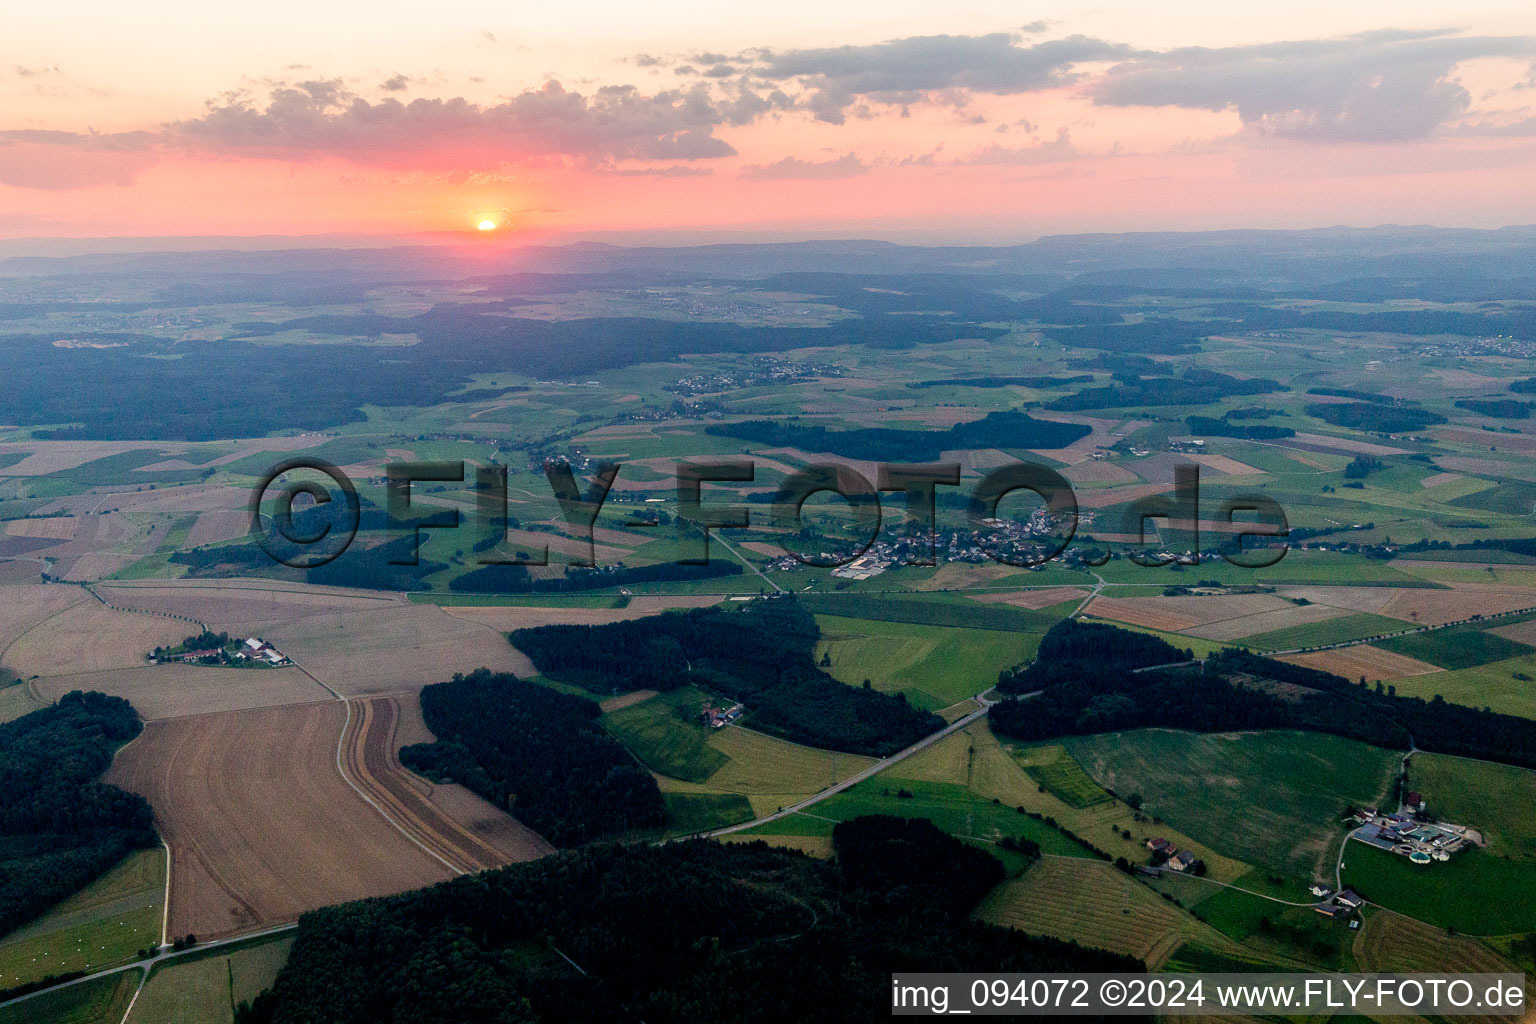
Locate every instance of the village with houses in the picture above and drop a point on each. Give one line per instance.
(207, 648)
(1006, 540)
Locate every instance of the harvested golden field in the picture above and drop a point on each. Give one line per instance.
(52, 456)
(90, 637)
(1472, 577)
(1094, 903)
(217, 526)
(23, 606)
(242, 606)
(260, 823)
(770, 772)
(53, 527)
(410, 726)
(1098, 471)
(798, 457)
(178, 691)
(964, 575)
(505, 619)
(625, 700)
(1352, 663)
(1174, 614)
(1034, 600)
(393, 649)
(1355, 599)
(491, 838)
(1432, 607)
(1389, 942)
(1221, 465)
(577, 548)
(979, 460)
(1263, 622)
(20, 570)
(1119, 495)
(1519, 632)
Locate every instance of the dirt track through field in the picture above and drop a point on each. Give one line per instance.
(369, 752)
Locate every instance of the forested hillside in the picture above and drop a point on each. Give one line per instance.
(1088, 676)
(760, 655)
(59, 826)
(696, 932)
(536, 752)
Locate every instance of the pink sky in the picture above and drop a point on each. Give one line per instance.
(958, 124)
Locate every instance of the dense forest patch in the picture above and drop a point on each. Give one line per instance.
(761, 655)
(695, 932)
(540, 754)
(1011, 429)
(1194, 387)
(59, 826)
(1089, 678)
(1374, 417)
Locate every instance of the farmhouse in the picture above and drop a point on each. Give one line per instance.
(719, 718)
(257, 649)
(211, 652)
(1183, 861)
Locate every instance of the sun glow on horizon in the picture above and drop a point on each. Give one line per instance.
(487, 225)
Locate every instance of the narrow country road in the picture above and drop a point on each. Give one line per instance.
(867, 773)
(146, 964)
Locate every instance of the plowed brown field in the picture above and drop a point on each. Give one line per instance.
(1362, 661)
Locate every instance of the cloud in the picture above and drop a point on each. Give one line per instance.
(1057, 150)
(53, 160)
(906, 70)
(794, 169)
(395, 83)
(1385, 86)
(322, 118)
(1523, 128)
(664, 171)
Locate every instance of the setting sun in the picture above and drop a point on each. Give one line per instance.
(487, 225)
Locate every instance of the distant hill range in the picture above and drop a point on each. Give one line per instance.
(1371, 263)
